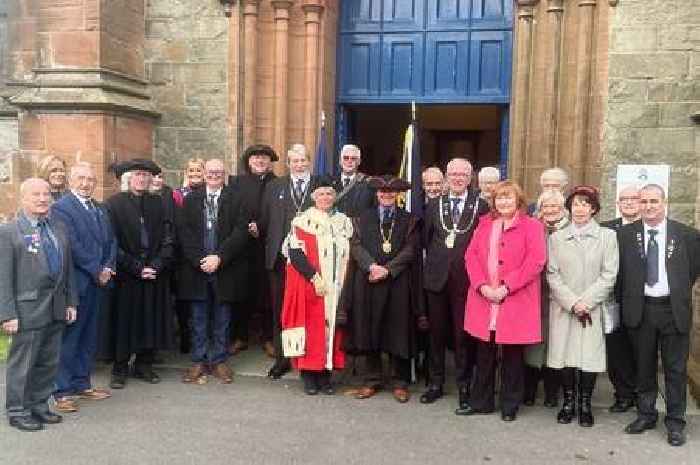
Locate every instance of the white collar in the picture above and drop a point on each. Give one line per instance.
(462, 196)
(305, 177)
(661, 228)
(215, 193)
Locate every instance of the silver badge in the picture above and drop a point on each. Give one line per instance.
(450, 240)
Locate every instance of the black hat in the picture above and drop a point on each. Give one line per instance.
(135, 164)
(324, 181)
(388, 182)
(258, 149)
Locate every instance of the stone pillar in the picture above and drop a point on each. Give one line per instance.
(582, 106)
(250, 54)
(520, 106)
(235, 72)
(86, 98)
(312, 21)
(694, 362)
(555, 11)
(281, 76)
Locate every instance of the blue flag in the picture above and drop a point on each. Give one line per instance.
(321, 165)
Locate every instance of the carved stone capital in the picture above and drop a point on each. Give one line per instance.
(282, 9)
(555, 6)
(250, 7)
(312, 11)
(583, 3)
(526, 9)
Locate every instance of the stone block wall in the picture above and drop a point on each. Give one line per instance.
(186, 57)
(654, 89)
(9, 142)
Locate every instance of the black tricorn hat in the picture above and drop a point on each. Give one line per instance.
(258, 149)
(141, 164)
(324, 181)
(388, 182)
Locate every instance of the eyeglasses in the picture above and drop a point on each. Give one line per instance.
(350, 158)
(629, 199)
(215, 173)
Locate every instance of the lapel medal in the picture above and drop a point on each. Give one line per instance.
(450, 240)
(386, 247)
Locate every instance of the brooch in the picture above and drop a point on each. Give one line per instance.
(671, 247)
(33, 243)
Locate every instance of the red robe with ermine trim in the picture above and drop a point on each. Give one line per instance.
(303, 308)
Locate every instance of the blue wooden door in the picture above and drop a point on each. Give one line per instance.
(430, 51)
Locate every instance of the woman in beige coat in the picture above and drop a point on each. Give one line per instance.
(582, 267)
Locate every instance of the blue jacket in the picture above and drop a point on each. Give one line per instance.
(93, 244)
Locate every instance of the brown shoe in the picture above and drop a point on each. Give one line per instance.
(223, 372)
(94, 394)
(365, 392)
(401, 395)
(195, 374)
(66, 405)
(269, 349)
(237, 346)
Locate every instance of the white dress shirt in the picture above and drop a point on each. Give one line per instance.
(84, 201)
(305, 178)
(660, 289)
(461, 204)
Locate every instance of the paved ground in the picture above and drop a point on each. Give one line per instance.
(259, 421)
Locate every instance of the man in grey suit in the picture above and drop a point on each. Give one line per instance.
(37, 298)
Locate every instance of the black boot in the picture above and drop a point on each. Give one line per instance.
(325, 384)
(586, 385)
(568, 408)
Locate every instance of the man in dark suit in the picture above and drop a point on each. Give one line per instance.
(257, 162)
(214, 237)
(622, 370)
(659, 263)
(284, 198)
(94, 251)
(354, 194)
(37, 298)
(450, 221)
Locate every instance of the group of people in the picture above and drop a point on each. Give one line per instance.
(336, 266)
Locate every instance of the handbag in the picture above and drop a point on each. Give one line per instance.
(294, 342)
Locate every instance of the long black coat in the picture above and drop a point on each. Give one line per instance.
(356, 198)
(682, 257)
(442, 263)
(382, 315)
(250, 188)
(278, 210)
(233, 242)
(139, 314)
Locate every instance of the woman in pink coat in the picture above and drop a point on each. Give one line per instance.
(504, 260)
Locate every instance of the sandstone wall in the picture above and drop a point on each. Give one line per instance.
(186, 56)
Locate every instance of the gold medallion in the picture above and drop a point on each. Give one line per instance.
(386, 247)
(450, 240)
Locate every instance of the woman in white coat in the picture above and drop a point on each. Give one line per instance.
(582, 268)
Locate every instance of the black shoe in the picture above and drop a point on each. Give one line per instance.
(48, 418)
(26, 423)
(676, 438)
(431, 395)
(118, 381)
(469, 410)
(463, 396)
(568, 408)
(508, 416)
(310, 382)
(640, 425)
(279, 369)
(621, 405)
(146, 374)
(324, 383)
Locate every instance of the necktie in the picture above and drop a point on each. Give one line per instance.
(652, 258)
(386, 215)
(50, 250)
(299, 189)
(455, 210)
(346, 181)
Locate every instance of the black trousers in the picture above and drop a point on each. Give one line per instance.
(374, 372)
(550, 378)
(622, 368)
(446, 316)
(658, 330)
(512, 376)
(277, 277)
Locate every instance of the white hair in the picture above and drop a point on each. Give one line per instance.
(350, 148)
(124, 181)
(298, 149)
(458, 160)
(489, 173)
(79, 165)
(550, 196)
(629, 187)
(555, 174)
(433, 169)
(29, 182)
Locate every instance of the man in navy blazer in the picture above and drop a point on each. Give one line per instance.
(94, 249)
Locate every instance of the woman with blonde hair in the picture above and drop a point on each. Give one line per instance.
(193, 177)
(52, 169)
